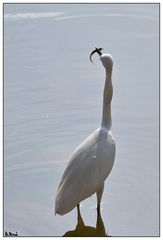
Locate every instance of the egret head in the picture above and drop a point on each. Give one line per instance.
(107, 61)
(105, 58)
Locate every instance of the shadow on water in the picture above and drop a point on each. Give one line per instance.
(82, 230)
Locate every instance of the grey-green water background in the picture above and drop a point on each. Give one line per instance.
(53, 101)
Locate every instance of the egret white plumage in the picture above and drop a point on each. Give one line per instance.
(92, 161)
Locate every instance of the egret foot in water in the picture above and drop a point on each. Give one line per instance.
(83, 230)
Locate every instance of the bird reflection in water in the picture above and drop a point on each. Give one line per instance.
(87, 231)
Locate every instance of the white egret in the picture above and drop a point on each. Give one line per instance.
(92, 161)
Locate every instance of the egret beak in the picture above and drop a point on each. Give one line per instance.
(98, 50)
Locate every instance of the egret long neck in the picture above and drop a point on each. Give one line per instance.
(107, 97)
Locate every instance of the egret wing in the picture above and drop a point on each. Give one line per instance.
(86, 171)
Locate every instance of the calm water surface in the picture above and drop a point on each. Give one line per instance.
(53, 101)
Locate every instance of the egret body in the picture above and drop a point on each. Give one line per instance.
(92, 161)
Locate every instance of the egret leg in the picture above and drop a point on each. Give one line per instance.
(80, 222)
(99, 196)
(78, 209)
